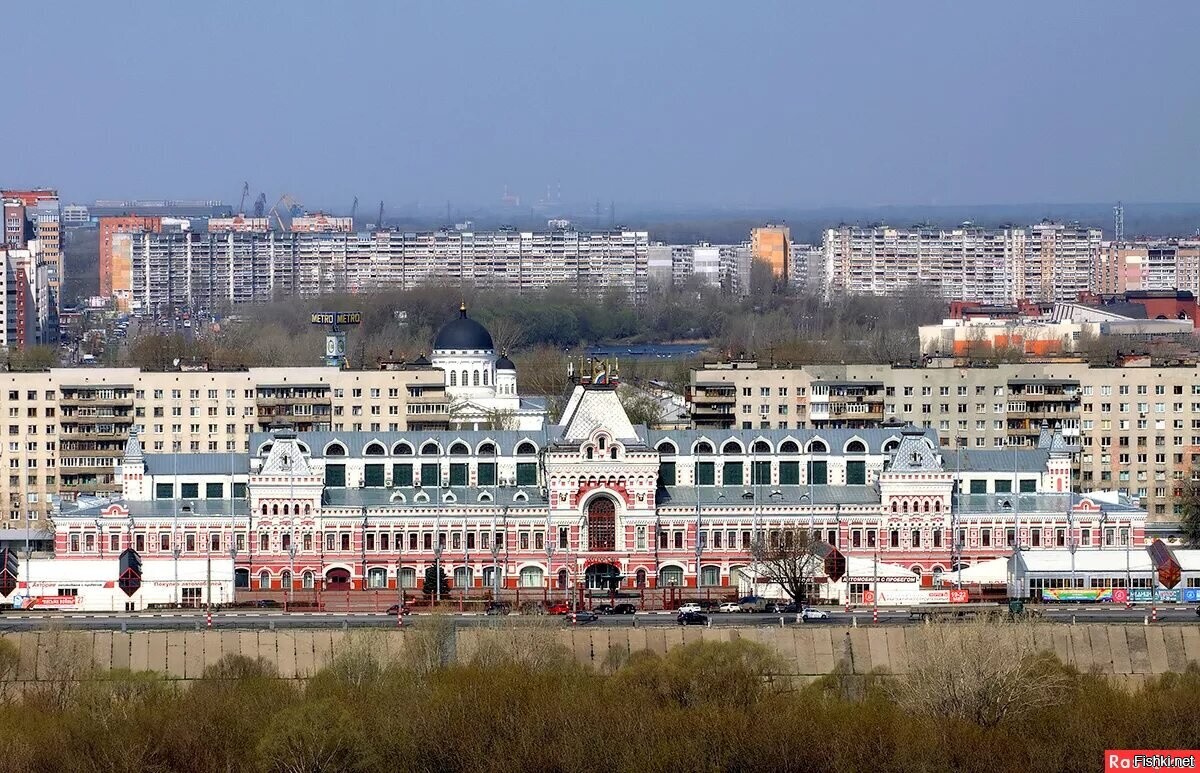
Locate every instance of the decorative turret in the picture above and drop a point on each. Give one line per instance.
(134, 483)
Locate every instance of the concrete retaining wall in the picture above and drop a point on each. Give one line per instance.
(1131, 653)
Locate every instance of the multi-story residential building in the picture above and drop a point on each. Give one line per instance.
(1137, 427)
(1168, 264)
(35, 214)
(205, 270)
(29, 315)
(116, 254)
(66, 427)
(582, 510)
(772, 244)
(74, 215)
(1043, 262)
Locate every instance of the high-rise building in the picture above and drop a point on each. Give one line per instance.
(772, 244)
(176, 267)
(116, 255)
(1043, 262)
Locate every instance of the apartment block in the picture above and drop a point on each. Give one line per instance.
(116, 254)
(772, 244)
(66, 428)
(1137, 428)
(177, 267)
(1043, 262)
(1168, 264)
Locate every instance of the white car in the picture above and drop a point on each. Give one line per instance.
(690, 607)
(730, 606)
(811, 613)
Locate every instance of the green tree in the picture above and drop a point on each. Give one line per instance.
(1189, 517)
(429, 586)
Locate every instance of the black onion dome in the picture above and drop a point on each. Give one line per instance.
(463, 333)
(504, 363)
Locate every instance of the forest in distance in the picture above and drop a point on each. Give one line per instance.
(521, 702)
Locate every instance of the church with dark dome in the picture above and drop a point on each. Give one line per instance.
(481, 386)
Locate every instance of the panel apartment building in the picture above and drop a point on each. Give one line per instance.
(67, 428)
(1044, 262)
(176, 267)
(1138, 428)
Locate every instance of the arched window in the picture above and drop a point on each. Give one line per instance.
(274, 509)
(894, 508)
(891, 446)
(476, 379)
(308, 509)
(462, 577)
(285, 509)
(402, 449)
(937, 505)
(667, 447)
(264, 508)
(927, 505)
(264, 580)
(408, 577)
(789, 447)
(487, 449)
(670, 577)
(454, 378)
(590, 453)
(531, 577)
(430, 449)
(459, 449)
(818, 447)
(377, 577)
(526, 448)
(335, 449)
(464, 379)
(905, 506)
(285, 579)
(602, 524)
(374, 449)
(710, 576)
(856, 447)
(561, 583)
(731, 447)
(761, 447)
(612, 453)
(485, 377)
(639, 578)
(308, 580)
(704, 447)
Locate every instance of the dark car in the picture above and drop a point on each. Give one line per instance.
(624, 609)
(583, 616)
(497, 609)
(396, 609)
(789, 608)
(266, 604)
(603, 609)
(692, 618)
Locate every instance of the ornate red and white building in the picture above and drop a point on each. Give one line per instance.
(585, 508)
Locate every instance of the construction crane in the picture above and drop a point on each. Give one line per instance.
(293, 208)
(379, 225)
(353, 210)
(260, 205)
(242, 204)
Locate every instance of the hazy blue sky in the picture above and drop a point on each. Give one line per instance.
(674, 103)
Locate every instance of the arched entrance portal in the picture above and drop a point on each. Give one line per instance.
(605, 577)
(602, 524)
(337, 578)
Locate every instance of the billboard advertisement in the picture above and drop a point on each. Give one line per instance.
(1077, 594)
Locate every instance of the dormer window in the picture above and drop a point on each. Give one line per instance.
(601, 443)
(612, 453)
(589, 452)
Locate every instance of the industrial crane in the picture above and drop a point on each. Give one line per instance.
(353, 210)
(260, 205)
(294, 209)
(379, 225)
(242, 204)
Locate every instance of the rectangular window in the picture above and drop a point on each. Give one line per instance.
(335, 475)
(526, 473)
(856, 473)
(1003, 486)
(458, 474)
(731, 473)
(979, 487)
(487, 473)
(666, 474)
(789, 473)
(429, 474)
(818, 473)
(164, 490)
(1028, 486)
(214, 490)
(760, 473)
(373, 476)
(239, 491)
(402, 475)
(706, 474)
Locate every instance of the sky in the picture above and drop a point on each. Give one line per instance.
(693, 103)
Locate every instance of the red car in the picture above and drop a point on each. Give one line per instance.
(559, 608)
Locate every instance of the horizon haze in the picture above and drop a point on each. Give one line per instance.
(672, 105)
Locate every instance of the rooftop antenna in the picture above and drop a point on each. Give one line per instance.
(1119, 223)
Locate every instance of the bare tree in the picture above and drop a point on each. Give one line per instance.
(790, 558)
(985, 671)
(640, 407)
(499, 419)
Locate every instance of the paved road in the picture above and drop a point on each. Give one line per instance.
(258, 620)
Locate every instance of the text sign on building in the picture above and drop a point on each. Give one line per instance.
(337, 318)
